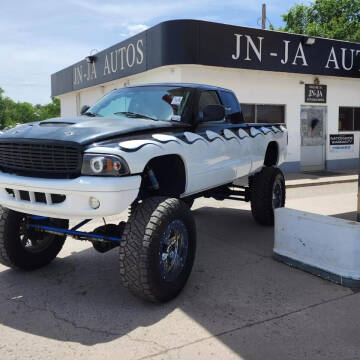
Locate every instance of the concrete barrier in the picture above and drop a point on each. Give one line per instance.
(322, 245)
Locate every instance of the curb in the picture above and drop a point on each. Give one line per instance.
(326, 182)
(326, 275)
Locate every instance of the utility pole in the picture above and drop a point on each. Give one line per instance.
(358, 209)
(263, 23)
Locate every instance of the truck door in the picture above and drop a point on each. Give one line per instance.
(237, 150)
(215, 167)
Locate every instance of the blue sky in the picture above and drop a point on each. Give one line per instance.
(41, 37)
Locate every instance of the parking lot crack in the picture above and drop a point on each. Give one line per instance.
(256, 323)
(72, 323)
(151, 342)
(57, 317)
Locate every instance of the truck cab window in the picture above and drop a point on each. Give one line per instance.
(208, 97)
(232, 107)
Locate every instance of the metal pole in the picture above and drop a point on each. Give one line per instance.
(358, 207)
(263, 23)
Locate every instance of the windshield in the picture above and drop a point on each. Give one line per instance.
(149, 102)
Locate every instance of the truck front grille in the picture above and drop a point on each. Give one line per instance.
(40, 158)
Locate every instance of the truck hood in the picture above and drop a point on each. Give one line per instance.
(84, 130)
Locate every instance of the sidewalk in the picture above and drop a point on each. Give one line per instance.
(294, 180)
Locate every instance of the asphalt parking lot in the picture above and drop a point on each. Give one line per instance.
(239, 303)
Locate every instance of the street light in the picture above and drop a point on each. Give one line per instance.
(91, 58)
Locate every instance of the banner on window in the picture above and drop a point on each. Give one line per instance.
(341, 142)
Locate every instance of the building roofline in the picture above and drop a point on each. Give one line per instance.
(178, 42)
(180, 84)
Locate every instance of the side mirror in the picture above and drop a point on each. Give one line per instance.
(84, 109)
(213, 113)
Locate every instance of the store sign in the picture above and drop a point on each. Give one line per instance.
(116, 60)
(341, 142)
(179, 42)
(121, 60)
(315, 93)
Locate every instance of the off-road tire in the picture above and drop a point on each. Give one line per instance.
(189, 201)
(140, 248)
(261, 188)
(13, 254)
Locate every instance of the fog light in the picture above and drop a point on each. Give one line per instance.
(94, 203)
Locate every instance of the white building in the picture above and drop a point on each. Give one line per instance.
(311, 84)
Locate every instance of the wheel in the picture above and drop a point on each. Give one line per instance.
(24, 248)
(189, 201)
(267, 193)
(158, 249)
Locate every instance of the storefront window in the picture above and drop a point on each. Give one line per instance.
(259, 113)
(248, 111)
(349, 119)
(270, 114)
(357, 119)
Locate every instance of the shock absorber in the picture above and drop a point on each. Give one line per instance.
(153, 179)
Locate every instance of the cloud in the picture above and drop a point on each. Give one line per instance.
(145, 11)
(41, 37)
(134, 29)
(25, 68)
(127, 10)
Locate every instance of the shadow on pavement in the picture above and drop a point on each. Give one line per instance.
(313, 175)
(235, 284)
(347, 216)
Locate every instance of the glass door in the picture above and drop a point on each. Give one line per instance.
(313, 137)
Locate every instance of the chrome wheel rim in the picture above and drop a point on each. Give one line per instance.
(277, 193)
(173, 250)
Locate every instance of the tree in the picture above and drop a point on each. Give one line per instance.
(335, 19)
(2, 109)
(12, 113)
(49, 110)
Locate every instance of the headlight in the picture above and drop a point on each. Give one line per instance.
(104, 165)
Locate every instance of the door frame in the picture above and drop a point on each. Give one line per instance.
(315, 168)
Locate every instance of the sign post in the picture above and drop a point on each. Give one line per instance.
(358, 207)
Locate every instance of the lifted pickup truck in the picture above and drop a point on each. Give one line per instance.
(151, 148)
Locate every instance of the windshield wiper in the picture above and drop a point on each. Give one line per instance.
(92, 114)
(135, 115)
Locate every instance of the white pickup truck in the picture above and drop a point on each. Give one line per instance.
(151, 148)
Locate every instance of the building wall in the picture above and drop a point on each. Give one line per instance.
(68, 104)
(265, 87)
(257, 87)
(250, 86)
